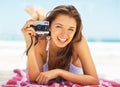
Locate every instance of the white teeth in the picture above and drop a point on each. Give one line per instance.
(62, 39)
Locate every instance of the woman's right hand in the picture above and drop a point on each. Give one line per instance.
(37, 14)
(29, 32)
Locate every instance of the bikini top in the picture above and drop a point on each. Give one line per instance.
(73, 68)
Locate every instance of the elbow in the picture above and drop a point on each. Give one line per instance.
(96, 82)
(32, 76)
(32, 79)
(93, 81)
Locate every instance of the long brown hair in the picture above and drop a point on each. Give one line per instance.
(64, 55)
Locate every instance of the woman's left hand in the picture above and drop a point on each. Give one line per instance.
(44, 77)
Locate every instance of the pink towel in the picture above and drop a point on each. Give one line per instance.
(21, 80)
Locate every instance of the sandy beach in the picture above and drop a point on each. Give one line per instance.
(106, 57)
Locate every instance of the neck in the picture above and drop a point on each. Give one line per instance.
(53, 48)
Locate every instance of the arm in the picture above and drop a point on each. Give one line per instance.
(90, 76)
(34, 63)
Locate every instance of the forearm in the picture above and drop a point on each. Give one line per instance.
(32, 66)
(77, 78)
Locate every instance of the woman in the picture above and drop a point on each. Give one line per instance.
(65, 55)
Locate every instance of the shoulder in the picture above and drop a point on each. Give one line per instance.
(83, 53)
(80, 44)
(81, 47)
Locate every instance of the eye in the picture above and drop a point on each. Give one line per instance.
(71, 29)
(58, 26)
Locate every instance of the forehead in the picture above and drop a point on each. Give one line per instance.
(65, 19)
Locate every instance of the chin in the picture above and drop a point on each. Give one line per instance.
(62, 45)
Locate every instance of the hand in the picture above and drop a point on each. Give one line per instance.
(45, 77)
(28, 31)
(36, 13)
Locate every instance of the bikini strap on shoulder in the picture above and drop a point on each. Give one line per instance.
(48, 43)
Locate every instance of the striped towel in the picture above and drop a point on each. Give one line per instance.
(21, 80)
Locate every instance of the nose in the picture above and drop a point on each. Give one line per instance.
(64, 33)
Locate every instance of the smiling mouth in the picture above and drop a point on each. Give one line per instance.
(62, 40)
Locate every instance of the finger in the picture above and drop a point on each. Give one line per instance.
(43, 80)
(46, 81)
(28, 33)
(27, 25)
(40, 79)
(37, 79)
(31, 31)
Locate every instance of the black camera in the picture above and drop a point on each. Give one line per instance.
(42, 27)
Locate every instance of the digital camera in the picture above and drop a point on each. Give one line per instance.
(42, 27)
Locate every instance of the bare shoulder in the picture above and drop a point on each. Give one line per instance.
(81, 45)
(83, 52)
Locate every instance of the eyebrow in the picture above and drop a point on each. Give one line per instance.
(62, 25)
(58, 24)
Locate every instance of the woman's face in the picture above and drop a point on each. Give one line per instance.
(62, 30)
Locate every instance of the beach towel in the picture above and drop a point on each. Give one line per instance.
(21, 80)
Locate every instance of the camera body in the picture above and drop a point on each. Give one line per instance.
(42, 27)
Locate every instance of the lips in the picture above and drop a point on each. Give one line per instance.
(62, 40)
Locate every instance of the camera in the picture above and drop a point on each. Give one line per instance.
(41, 27)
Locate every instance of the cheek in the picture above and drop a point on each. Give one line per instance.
(53, 33)
(72, 35)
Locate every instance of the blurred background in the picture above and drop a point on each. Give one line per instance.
(101, 18)
(101, 27)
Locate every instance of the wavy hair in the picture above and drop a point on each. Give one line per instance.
(64, 55)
